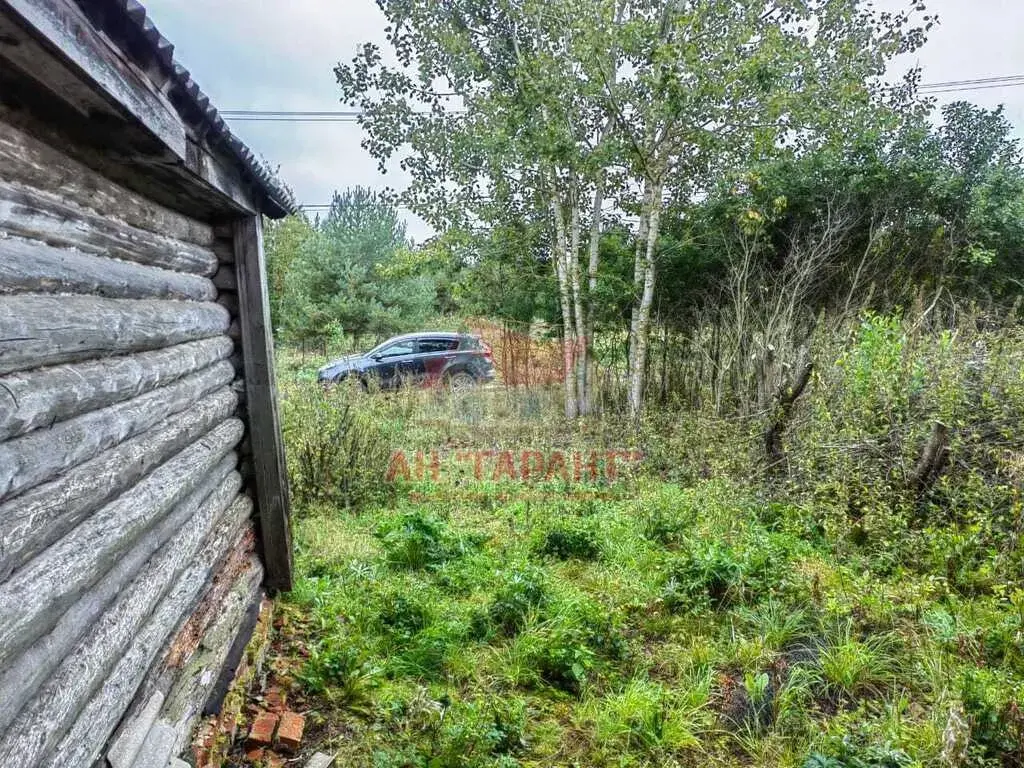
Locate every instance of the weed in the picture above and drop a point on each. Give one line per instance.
(852, 667)
(707, 575)
(563, 660)
(566, 542)
(846, 754)
(418, 540)
(403, 616)
(522, 592)
(338, 670)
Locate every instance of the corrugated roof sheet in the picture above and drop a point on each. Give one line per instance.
(127, 23)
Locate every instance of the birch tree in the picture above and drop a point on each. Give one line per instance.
(536, 108)
(497, 111)
(711, 85)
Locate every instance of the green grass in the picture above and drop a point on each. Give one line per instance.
(664, 620)
(442, 634)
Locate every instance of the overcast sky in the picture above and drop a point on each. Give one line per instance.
(280, 54)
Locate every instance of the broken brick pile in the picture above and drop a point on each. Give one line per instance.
(216, 734)
(274, 729)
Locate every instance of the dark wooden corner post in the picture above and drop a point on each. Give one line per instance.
(270, 472)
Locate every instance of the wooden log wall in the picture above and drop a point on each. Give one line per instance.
(128, 554)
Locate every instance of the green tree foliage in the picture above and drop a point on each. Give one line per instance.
(543, 111)
(352, 273)
(923, 209)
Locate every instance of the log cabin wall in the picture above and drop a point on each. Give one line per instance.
(143, 505)
(121, 503)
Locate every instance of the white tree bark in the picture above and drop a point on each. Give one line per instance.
(565, 298)
(579, 347)
(643, 283)
(593, 262)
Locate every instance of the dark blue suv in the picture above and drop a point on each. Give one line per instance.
(454, 360)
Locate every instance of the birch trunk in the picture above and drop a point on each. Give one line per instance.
(643, 275)
(580, 341)
(565, 297)
(593, 261)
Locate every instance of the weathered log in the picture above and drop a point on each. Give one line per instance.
(224, 249)
(47, 330)
(36, 164)
(185, 700)
(159, 746)
(20, 681)
(53, 709)
(34, 399)
(225, 279)
(33, 215)
(34, 597)
(133, 732)
(28, 266)
(82, 745)
(231, 567)
(39, 517)
(41, 455)
(183, 684)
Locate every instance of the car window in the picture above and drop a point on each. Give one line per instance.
(398, 348)
(438, 345)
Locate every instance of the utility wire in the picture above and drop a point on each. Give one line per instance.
(351, 116)
(1007, 79)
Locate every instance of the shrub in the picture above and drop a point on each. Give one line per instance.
(522, 593)
(566, 542)
(337, 451)
(419, 540)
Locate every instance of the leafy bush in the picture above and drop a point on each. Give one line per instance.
(337, 451)
(419, 540)
(566, 542)
(523, 591)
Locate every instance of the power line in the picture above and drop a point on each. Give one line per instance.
(1002, 80)
(972, 88)
(352, 116)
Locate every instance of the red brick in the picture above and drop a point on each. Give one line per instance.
(261, 733)
(274, 760)
(255, 755)
(229, 725)
(289, 734)
(274, 699)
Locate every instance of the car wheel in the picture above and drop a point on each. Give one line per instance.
(460, 381)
